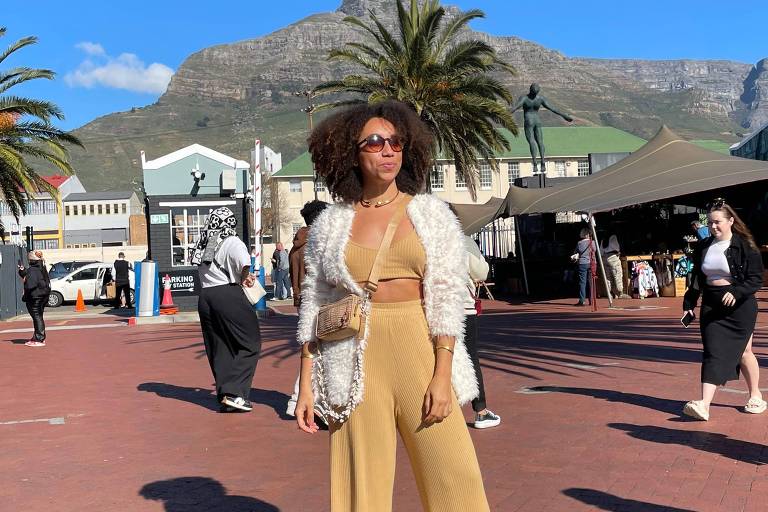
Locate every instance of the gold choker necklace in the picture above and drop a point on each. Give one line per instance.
(378, 204)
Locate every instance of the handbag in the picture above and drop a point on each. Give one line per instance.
(254, 293)
(345, 318)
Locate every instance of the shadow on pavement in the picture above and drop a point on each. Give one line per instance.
(207, 398)
(649, 402)
(604, 501)
(201, 494)
(19, 341)
(735, 449)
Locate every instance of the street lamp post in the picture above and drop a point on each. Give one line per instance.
(309, 110)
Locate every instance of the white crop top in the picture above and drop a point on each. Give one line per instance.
(715, 265)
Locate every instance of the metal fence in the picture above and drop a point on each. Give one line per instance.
(497, 239)
(11, 287)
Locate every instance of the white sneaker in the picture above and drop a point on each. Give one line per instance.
(487, 420)
(695, 409)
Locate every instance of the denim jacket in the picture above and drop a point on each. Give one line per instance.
(744, 262)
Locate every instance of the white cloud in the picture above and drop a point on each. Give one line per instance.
(126, 71)
(91, 48)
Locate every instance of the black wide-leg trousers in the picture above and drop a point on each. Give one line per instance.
(232, 338)
(471, 336)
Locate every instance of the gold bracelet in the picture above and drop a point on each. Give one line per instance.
(444, 347)
(307, 356)
(306, 351)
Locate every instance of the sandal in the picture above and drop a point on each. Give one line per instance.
(695, 409)
(756, 406)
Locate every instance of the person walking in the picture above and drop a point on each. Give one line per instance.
(228, 321)
(407, 370)
(477, 270)
(728, 270)
(297, 271)
(583, 257)
(37, 288)
(120, 272)
(612, 260)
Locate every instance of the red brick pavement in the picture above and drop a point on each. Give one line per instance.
(597, 428)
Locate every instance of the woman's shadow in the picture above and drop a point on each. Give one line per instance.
(201, 494)
(207, 398)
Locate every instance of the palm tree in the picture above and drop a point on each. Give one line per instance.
(26, 134)
(446, 80)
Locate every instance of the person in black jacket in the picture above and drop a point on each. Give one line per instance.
(37, 288)
(728, 270)
(122, 280)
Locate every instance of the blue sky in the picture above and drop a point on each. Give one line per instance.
(111, 56)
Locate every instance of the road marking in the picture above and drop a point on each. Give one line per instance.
(50, 421)
(580, 366)
(536, 390)
(66, 327)
(739, 391)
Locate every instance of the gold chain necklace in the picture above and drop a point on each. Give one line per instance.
(378, 204)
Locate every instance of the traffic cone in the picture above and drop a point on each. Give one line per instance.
(80, 304)
(167, 307)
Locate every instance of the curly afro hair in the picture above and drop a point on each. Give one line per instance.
(334, 150)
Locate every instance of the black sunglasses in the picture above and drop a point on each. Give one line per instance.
(717, 204)
(375, 143)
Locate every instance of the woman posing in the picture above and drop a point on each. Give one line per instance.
(410, 370)
(728, 270)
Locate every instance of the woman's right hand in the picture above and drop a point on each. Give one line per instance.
(305, 412)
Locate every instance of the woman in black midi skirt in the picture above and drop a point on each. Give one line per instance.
(728, 272)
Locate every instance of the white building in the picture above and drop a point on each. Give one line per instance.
(99, 219)
(43, 213)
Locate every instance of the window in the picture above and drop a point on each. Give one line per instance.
(40, 207)
(319, 185)
(513, 172)
(460, 183)
(294, 229)
(85, 274)
(92, 209)
(99, 209)
(66, 210)
(115, 208)
(82, 209)
(186, 224)
(583, 168)
(74, 209)
(437, 177)
(106, 209)
(295, 185)
(486, 176)
(560, 169)
(124, 208)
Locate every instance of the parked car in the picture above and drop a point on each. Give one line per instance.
(90, 279)
(62, 268)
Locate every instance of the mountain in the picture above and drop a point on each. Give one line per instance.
(227, 95)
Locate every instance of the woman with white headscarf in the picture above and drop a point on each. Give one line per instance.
(229, 323)
(37, 288)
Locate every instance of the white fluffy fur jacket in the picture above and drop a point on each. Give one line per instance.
(337, 375)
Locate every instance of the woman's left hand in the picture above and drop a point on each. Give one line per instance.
(249, 281)
(728, 299)
(437, 401)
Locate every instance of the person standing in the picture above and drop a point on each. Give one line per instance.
(702, 232)
(612, 259)
(477, 270)
(407, 370)
(120, 272)
(280, 266)
(228, 321)
(583, 257)
(728, 270)
(37, 288)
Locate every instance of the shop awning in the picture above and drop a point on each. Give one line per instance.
(664, 168)
(474, 217)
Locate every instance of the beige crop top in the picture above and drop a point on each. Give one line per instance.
(406, 259)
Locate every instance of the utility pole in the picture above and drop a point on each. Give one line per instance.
(309, 110)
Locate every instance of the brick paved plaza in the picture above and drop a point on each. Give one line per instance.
(116, 418)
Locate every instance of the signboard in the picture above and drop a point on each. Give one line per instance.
(183, 282)
(159, 218)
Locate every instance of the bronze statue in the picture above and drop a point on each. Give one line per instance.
(531, 103)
